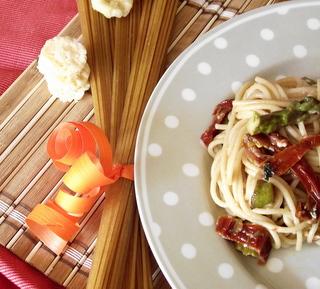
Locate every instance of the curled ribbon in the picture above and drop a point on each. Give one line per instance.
(82, 151)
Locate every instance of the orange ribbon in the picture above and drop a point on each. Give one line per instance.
(83, 151)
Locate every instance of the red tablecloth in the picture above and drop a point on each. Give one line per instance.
(24, 27)
(16, 274)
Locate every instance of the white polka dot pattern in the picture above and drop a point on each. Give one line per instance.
(313, 283)
(190, 170)
(204, 68)
(313, 23)
(205, 219)
(220, 43)
(154, 150)
(188, 94)
(170, 198)
(156, 229)
(188, 251)
(274, 265)
(283, 10)
(300, 51)
(171, 121)
(225, 270)
(235, 86)
(267, 34)
(252, 60)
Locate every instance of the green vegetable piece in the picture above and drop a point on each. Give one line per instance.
(294, 113)
(309, 81)
(246, 250)
(263, 195)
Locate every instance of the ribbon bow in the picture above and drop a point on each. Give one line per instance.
(82, 150)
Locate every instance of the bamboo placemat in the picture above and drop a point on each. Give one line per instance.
(28, 116)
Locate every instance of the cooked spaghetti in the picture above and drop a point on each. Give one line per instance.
(285, 201)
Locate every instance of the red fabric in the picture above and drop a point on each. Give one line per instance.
(16, 274)
(5, 283)
(25, 26)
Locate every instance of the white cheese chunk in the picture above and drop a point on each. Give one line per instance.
(112, 8)
(63, 62)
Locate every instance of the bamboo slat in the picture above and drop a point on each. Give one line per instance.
(27, 176)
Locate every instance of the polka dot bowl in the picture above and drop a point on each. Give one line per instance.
(172, 168)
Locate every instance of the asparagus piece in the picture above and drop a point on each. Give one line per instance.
(294, 113)
(246, 251)
(249, 238)
(263, 195)
(309, 81)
